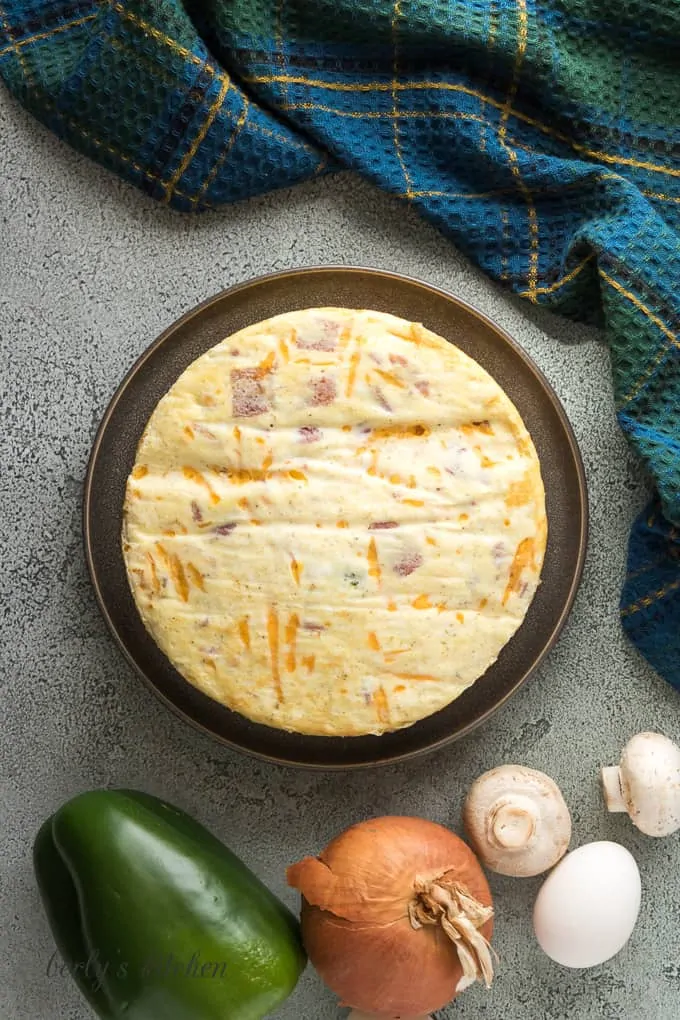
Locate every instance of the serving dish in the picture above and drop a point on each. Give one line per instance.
(113, 456)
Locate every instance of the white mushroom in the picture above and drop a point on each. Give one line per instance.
(517, 821)
(646, 784)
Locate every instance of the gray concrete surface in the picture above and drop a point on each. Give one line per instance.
(90, 272)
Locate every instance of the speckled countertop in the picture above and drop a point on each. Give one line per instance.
(90, 273)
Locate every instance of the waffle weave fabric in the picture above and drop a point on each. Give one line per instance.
(542, 136)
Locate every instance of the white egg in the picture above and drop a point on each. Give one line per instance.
(586, 909)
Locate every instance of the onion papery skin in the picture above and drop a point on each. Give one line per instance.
(355, 918)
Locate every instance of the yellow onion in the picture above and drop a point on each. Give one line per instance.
(396, 916)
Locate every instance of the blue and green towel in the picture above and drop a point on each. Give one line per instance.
(542, 136)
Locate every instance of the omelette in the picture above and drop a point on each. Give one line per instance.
(335, 522)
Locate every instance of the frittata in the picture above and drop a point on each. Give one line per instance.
(335, 522)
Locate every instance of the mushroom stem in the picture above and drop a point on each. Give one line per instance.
(512, 822)
(613, 789)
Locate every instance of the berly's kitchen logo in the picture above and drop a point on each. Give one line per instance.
(166, 967)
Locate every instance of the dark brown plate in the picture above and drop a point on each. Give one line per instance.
(113, 457)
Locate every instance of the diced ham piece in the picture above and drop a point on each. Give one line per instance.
(309, 434)
(381, 399)
(408, 563)
(322, 336)
(248, 394)
(499, 552)
(324, 391)
(203, 430)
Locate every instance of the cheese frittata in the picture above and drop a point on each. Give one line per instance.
(335, 522)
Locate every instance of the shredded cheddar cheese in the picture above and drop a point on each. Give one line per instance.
(291, 639)
(373, 562)
(296, 570)
(352, 374)
(381, 705)
(244, 632)
(273, 637)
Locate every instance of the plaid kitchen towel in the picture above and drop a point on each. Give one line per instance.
(542, 136)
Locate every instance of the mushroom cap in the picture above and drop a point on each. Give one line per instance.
(517, 821)
(649, 776)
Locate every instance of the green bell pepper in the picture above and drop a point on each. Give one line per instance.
(156, 919)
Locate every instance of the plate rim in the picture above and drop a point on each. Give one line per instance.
(398, 278)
